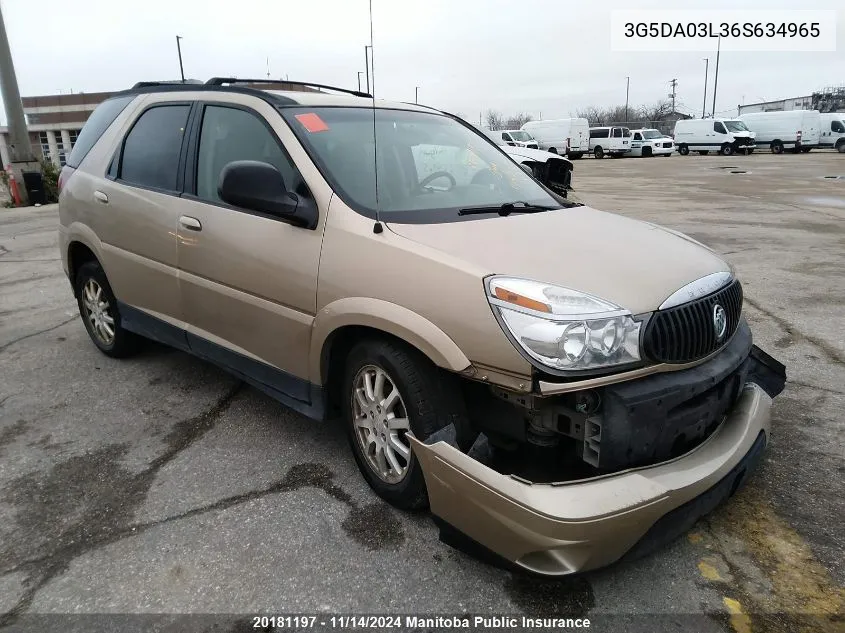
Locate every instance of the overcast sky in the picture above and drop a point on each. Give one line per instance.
(467, 56)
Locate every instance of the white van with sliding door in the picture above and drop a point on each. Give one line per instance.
(794, 130)
(561, 136)
(612, 140)
(832, 131)
(726, 136)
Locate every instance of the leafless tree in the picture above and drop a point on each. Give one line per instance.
(517, 121)
(494, 120)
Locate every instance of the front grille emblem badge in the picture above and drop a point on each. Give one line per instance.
(720, 321)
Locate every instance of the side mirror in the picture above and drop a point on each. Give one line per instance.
(527, 169)
(259, 186)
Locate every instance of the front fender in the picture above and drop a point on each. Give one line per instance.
(387, 317)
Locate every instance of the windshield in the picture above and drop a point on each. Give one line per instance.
(652, 134)
(519, 135)
(736, 126)
(429, 165)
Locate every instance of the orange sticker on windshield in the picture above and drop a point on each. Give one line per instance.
(312, 122)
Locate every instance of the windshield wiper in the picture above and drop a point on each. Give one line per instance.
(507, 208)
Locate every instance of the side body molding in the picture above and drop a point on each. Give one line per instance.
(387, 317)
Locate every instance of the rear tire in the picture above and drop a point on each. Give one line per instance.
(683, 150)
(776, 147)
(727, 150)
(598, 152)
(377, 424)
(840, 147)
(98, 308)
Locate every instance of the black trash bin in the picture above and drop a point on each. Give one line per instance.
(33, 181)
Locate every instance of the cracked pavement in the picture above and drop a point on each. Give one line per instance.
(161, 484)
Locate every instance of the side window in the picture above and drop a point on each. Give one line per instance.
(99, 121)
(617, 132)
(505, 136)
(638, 136)
(151, 150)
(719, 128)
(230, 134)
(837, 126)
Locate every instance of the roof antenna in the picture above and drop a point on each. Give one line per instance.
(377, 227)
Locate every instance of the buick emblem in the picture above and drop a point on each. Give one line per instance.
(720, 321)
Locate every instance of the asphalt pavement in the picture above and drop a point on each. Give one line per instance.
(160, 484)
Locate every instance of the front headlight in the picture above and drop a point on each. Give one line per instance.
(564, 329)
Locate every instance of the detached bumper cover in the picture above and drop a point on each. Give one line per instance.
(557, 529)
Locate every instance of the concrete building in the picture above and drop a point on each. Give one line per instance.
(54, 121)
(830, 99)
(794, 103)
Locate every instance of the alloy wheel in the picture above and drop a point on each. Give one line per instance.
(381, 423)
(98, 312)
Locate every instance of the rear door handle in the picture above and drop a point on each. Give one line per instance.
(99, 196)
(192, 224)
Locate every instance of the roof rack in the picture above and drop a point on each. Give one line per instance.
(167, 82)
(219, 81)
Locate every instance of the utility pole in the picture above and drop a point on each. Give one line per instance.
(674, 84)
(417, 95)
(179, 50)
(716, 80)
(704, 102)
(360, 72)
(367, 65)
(627, 90)
(20, 149)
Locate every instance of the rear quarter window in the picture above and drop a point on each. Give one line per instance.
(99, 121)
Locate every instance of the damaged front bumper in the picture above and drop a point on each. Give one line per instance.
(559, 528)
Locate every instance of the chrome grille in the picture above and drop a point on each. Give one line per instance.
(686, 332)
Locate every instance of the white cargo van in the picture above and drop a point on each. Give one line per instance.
(612, 140)
(726, 136)
(518, 138)
(795, 130)
(832, 130)
(561, 136)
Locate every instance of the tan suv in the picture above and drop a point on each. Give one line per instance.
(560, 384)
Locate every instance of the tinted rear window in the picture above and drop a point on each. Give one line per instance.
(151, 149)
(97, 123)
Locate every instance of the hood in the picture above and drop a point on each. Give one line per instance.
(634, 264)
(526, 153)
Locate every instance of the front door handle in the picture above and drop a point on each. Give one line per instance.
(99, 196)
(192, 224)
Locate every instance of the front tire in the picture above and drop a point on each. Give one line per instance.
(390, 390)
(776, 147)
(646, 152)
(98, 308)
(727, 150)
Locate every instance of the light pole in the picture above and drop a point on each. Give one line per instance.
(417, 95)
(704, 103)
(20, 149)
(367, 64)
(179, 50)
(360, 72)
(627, 90)
(716, 79)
